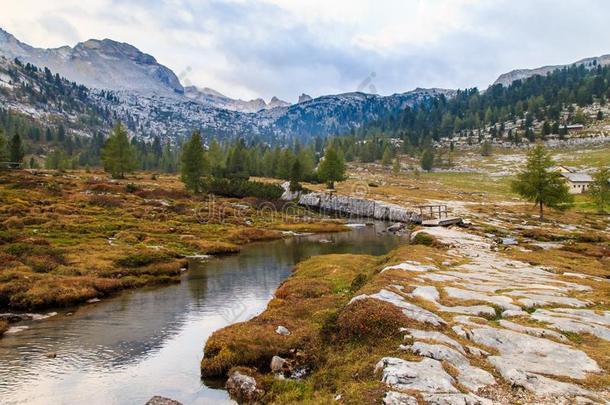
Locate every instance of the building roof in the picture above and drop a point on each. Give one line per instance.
(578, 177)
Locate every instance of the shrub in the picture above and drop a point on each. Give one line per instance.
(105, 201)
(357, 282)
(140, 259)
(369, 319)
(131, 188)
(422, 238)
(244, 188)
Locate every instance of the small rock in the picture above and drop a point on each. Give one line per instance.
(159, 400)
(50, 355)
(243, 388)
(277, 364)
(282, 330)
(338, 397)
(93, 300)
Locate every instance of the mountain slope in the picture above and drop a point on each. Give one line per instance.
(506, 79)
(103, 64)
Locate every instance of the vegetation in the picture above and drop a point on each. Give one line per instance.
(194, 165)
(600, 188)
(539, 184)
(118, 155)
(332, 167)
(427, 159)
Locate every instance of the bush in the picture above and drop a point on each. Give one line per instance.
(105, 201)
(140, 259)
(244, 188)
(357, 282)
(369, 319)
(131, 188)
(423, 238)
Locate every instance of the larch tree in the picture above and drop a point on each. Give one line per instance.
(118, 155)
(600, 189)
(194, 164)
(427, 159)
(541, 185)
(15, 149)
(331, 168)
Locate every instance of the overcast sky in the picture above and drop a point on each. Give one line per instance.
(262, 48)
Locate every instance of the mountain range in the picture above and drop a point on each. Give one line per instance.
(132, 86)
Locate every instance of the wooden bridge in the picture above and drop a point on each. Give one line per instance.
(437, 215)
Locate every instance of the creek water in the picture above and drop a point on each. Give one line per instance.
(141, 343)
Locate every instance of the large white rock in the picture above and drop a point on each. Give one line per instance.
(527, 353)
(473, 378)
(576, 321)
(434, 336)
(426, 375)
(411, 311)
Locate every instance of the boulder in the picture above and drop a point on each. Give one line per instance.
(159, 400)
(277, 364)
(243, 388)
(426, 375)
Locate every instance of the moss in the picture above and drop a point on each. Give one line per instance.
(423, 238)
(141, 258)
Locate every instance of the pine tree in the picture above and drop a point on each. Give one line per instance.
(332, 167)
(396, 166)
(386, 160)
(296, 175)
(15, 149)
(194, 164)
(486, 148)
(539, 184)
(600, 189)
(118, 155)
(3, 150)
(427, 159)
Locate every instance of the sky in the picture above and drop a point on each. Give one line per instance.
(265, 48)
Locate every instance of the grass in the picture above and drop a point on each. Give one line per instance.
(66, 238)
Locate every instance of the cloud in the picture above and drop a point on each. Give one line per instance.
(263, 48)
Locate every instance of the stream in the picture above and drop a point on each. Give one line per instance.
(125, 349)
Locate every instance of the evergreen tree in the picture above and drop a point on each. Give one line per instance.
(118, 154)
(15, 149)
(194, 164)
(539, 184)
(332, 167)
(396, 166)
(600, 189)
(3, 150)
(486, 149)
(386, 160)
(427, 159)
(296, 175)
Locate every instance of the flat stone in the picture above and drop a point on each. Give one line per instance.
(456, 399)
(475, 351)
(433, 336)
(472, 378)
(513, 313)
(499, 300)
(478, 310)
(429, 293)
(411, 311)
(541, 385)
(527, 353)
(539, 332)
(399, 398)
(426, 375)
(282, 330)
(576, 321)
(540, 300)
(411, 266)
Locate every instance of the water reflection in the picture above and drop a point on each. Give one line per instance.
(126, 349)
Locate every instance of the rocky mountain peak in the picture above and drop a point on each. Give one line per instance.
(304, 97)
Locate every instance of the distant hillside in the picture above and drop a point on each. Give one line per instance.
(521, 74)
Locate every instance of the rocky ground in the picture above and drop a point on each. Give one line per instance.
(509, 310)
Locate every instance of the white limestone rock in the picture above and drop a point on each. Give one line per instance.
(576, 321)
(456, 399)
(399, 398)
(527, 353)
(411, 311)
(433, 336)
(426, 375)
(411, 266)
(472, 378)
(538, 332)
(282, 330)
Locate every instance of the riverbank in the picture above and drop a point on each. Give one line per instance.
(463, 319)
(70, 238)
